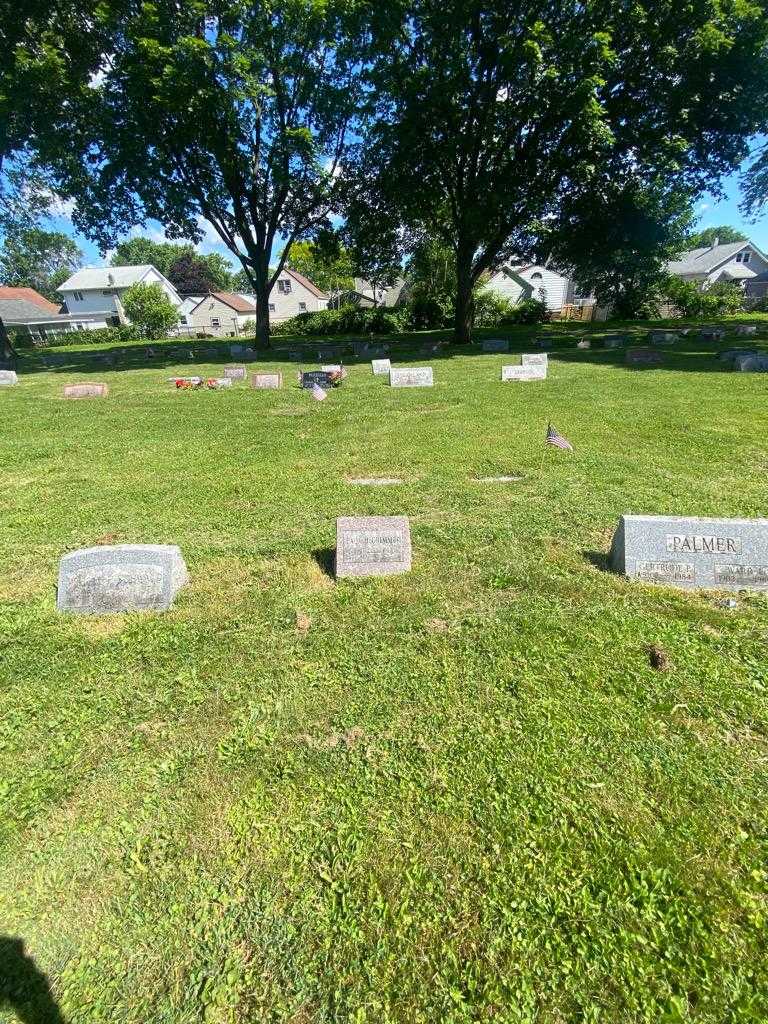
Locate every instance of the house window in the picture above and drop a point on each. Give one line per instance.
(271, 307)
(536, 277)
(215, 322)
(302, 307)
(77, 296)
(284, 287)
(183, 319)
(745, 257)
(106, 292)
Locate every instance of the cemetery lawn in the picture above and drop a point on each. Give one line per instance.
(457, 795)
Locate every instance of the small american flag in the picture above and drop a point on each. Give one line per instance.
(318, 394)
(557, 440)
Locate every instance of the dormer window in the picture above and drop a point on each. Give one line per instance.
(284, 286)
(743, 257)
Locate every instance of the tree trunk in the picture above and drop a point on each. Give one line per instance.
(260, 285)
(465, 303)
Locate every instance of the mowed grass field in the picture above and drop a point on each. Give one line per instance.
(457, 795)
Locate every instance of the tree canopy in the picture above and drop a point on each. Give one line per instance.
(178, 261)
(33, 258)
(149, 309)
(723, 233)
(329, 265)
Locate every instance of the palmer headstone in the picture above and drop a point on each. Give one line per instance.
(644, 357)
(746, 330)
(235, 372)
(86, 390)
(381, 366)
(121, 578)
(8, 378)
(372, 546)
(411, 377)
(693, 551)
(523, 373)
(495, 345)
(269, 381)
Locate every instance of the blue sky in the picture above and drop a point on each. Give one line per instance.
(709, 210)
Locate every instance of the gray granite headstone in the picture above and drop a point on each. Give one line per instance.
(8, 378)
(267, 381)
(534, 359)
(663, 337)
(730, 355)
(614, 341)
(88, 390)
(121, 578)
(523, 373)
(411, 377)
(295, 355)
(751, 363)
(643, 357)
(693, 551)
(712, 333)
(235, 372)
(361, 349)
(381, 366)
(372, 546)
(746, 330)
(495, 345)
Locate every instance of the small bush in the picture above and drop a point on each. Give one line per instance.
(347, 320)
(98, 336)
(428, 312)
(693, 302)
(491, 309)
(529, 311)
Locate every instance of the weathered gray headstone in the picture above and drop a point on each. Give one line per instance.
(268, 381)
(361, 349)
(730, 355)
(643, 357)
(693, 551)
(751, 364)
(534, 359)
(614, 340)
(295, 355)
(746, 330)
(712, 333)
(495, 345)
(411, 377)
(372, 546)
(381, 366)
(121, 578)
(86, 390)
(8, 378)
(235, 372)
(663, 337)
(523, 373)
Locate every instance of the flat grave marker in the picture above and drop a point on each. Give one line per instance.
(643, 357)
(8, 378)
(663, 337)
(374, 481)
(120, 578)
(746, 330)
(88, 390)
(381, 366)
(308, 379)
(411, 377)
(495, 345)
(523, 373)
(267, 381)
(372, 546)
(534, 359)
(693, 552)
(235, 372)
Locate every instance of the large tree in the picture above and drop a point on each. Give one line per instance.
(723, 234)
(178, 261)
(236, 113)
(491, 116)
(325, 262)
(33, 258)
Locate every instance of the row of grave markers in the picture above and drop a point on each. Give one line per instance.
(691, 552)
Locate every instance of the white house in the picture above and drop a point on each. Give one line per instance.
(732, 262)
(100, 290)
(293, 294)
(517, 282)
(221, 313)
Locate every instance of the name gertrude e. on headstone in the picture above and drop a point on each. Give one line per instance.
(372, 546)
(267, 380)
(235, 372)
(381, 366)
(534, 372)
(693, 551)
(411, 377)
(495, 345)
(121, 578)
(86, 391)
(8, 378)
(534, 359)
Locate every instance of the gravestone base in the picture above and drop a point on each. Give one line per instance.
(120, 578)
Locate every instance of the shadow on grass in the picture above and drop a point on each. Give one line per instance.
(326, 560)
(601, 560)
(24, 988)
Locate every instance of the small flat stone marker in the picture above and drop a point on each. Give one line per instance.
(372, 546)
(121, 578)
(381, 366)
(523, 373)
(693, 551)
(8, 378)
(644, 357)
(375, 481)
(746, 330)
(614, 341)
(411, 377)
(663, 337)
(534, 359)
(495, 345)
(712, 333)
(86, 391)
(497, 479)
(269, 381)
(235, 372)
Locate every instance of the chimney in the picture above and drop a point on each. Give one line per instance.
(715, 242)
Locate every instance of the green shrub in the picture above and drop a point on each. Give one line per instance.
(427, 312)
(346, 320)
(529, 311)
(150, 310)
(98, 336)
(693, 302)
(491, 309)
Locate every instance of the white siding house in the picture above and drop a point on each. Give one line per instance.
(530, 281)
(100, 290)
(733, 261)
(293, 294)
(223, 314)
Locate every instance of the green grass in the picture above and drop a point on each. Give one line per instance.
(459, 795)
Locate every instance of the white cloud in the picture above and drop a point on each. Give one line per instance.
(702, 207)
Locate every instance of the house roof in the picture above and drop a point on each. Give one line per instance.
(306, 282)
(706, 259)
(28, 295)
(236, 302)
(21, 310)
(105, 277)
